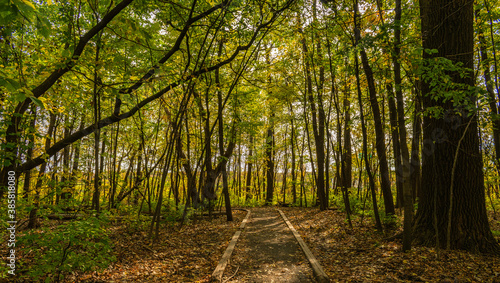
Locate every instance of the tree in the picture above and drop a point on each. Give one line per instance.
(379, 129)
(452, 210)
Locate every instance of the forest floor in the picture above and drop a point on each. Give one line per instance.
(191, 253)
(188, 254)
(362, 255)
(267, 252)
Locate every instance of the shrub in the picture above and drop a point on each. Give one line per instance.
(76, 246)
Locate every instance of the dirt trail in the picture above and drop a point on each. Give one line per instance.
(267, 252)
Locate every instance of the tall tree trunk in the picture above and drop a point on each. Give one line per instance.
(379, 128)
(415, 149)
(363, 127)
(285, 165)
(318, 121)
(270, 161)
(248, 180)
(491, 94)
(65, 179)
(225, 185)
(347, 147)
(395, 145)
(238, 170)
(453, 196)
(292, 144)
(493, 43)
(76, 159)
(97, 117)
(29, 155)
(405, 155)
(33, 218)
(116, 172)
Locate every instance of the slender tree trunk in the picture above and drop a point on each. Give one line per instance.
(270, 161)
(76, 159)
(415, 150)
(491, 94)
(363, 128)
(65, 192)
(347, 147)
(318, 125)
(379, 128)
(405, 156)
(285, 165)
(116, 172)
(29, 155)
(248, 180)
(493, 43)
(97, 117)
(395, 145)
(33, 218)
(292, 144)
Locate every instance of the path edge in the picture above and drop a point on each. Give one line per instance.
(219, 270)
(318, 271)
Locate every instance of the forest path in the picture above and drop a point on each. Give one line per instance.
(267, 251)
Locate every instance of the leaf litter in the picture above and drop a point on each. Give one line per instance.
(363, 255)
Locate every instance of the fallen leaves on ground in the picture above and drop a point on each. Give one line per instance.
(186, 255)
(362, 255)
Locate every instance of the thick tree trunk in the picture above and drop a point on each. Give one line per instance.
(452, 169)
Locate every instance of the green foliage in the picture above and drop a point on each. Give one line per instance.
(355, 202)
(390, 221)
(443, 77)
(253, 202)
(76, 246)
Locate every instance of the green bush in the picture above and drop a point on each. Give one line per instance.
(76, 246)
(356, 203)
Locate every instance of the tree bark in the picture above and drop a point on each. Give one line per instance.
(491, 94)
(363, 126)
(270, 161)
(248, 180)
(379, 128)
(452, 169)
(29, 154)
(33, 218)
(292, 145)
(415, 149)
